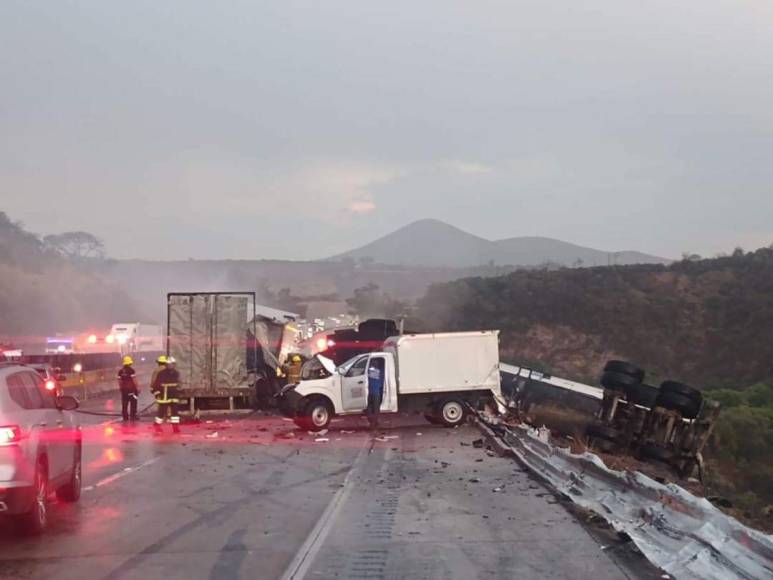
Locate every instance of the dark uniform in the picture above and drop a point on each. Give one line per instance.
(375, 390)
(165, 388)
(127, 382)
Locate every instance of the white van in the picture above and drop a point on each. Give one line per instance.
(437, 374)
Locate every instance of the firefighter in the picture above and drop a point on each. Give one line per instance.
(294, 370)
(127, 383)
(165, 389)
(161, 362)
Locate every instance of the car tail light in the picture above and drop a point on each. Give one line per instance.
(50, 385)
(9, 435)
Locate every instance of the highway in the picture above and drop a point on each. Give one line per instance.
(253, 497)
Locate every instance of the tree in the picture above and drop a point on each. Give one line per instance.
(78, 245)
(759, 395)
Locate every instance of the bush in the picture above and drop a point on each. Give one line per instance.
(727, 398)
(759, 395)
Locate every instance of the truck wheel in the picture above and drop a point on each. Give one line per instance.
(682, 389)
(626, 368)
(618, 381)
(35, 520)
(317, 415)
(688, 407)
(451, 412)
(72, 491)
(644, 395)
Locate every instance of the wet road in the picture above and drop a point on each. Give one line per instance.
(253, 497)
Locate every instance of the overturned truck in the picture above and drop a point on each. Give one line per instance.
(223, 343)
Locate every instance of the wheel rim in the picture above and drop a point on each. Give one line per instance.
(40, 499)
(319, 415)
(452, 412)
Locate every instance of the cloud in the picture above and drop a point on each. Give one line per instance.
(467, 167)
(362, 206)
(215, 184)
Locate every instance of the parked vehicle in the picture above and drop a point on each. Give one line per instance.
(437, 374)
(344, 343)
(40, 447)
(52, 377)
(135, 337)
(60, 345)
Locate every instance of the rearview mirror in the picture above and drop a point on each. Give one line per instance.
(66, 403)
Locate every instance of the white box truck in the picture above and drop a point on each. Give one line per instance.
(437, 374)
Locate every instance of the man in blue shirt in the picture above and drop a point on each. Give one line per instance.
(375, 390)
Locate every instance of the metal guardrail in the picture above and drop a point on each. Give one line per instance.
(684, 535)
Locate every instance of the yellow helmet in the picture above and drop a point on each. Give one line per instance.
(162, 360)
(296, 358)
(127, 360)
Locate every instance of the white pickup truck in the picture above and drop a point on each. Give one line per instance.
(437, 374)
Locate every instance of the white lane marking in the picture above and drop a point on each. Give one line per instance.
(303, 559)
(116, 476)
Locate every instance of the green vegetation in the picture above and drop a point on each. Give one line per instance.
(56, 285)
(741, 451)
(703, 322)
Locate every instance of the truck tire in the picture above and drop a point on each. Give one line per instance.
(682, 389)
(71, 492)
(618, 381)
(316, 415)
(35, 520)
(644, 395)
(626, 368)
(688, 408)
(451, 412)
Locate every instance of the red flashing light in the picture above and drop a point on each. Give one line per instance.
(50, 385)
(9, 435)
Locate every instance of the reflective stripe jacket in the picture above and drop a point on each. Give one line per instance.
(165, 385)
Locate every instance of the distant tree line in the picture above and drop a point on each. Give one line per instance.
(54, 284)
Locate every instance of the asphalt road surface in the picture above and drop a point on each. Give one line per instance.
(252, 497)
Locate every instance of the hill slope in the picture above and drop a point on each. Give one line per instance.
(434, 243)
(709, 322)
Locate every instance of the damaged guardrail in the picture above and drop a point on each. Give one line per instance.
(684, 535)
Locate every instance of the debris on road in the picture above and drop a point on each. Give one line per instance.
(321, 440)
(478, 444)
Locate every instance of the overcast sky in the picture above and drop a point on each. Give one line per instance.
(287, 129)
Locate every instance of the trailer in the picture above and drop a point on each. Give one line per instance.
(209, 335)
(435, 374)
(225, 345)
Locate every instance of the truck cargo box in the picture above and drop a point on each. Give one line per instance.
(209, 336)
(452, 361)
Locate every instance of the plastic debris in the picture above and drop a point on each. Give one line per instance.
(213, 435)
(321, 440)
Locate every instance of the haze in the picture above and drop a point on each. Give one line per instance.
(299, 130)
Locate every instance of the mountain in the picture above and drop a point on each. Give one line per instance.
(432, 243)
